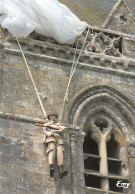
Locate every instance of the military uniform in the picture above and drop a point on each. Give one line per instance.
(54, 142)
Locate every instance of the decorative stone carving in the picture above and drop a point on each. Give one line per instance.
(102, 130)
(101, 133)
(99, 42)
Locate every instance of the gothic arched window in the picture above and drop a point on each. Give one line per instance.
(102, 163)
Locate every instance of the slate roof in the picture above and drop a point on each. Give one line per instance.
(94, 12)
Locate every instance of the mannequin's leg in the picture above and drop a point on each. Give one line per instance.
(60, 150)
(51, 157)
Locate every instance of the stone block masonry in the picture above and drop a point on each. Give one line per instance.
(23, 162)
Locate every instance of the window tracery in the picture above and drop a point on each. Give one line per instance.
(102, 160)
(100, 42)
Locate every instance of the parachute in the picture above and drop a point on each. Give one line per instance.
(46, 17)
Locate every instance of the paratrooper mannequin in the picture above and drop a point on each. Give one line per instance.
(54, 142)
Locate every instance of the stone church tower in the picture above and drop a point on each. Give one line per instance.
(99, 146)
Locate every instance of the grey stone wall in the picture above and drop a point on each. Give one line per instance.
(23, 161)
(94, 12)
(1, 70)
(122, 20)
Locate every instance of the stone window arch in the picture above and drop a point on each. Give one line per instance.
(103, 101)
(102, 169)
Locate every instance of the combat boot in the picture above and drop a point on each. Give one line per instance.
(62, 172)
(51, 170)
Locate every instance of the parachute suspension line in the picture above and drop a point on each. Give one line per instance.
(76, 63)
(34, 85)
(73, 68)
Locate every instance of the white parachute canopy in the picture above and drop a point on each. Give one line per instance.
(47, 17)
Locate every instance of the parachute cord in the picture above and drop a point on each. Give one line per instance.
(73, 68)
(34, 85)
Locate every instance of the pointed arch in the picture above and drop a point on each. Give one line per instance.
(115, 8)
(103, 99)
